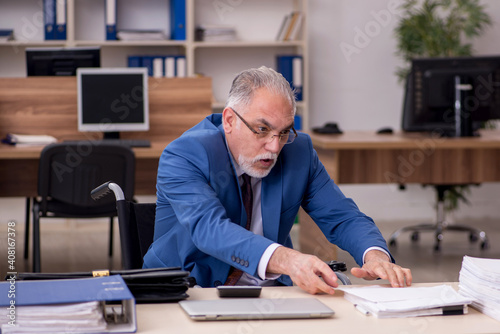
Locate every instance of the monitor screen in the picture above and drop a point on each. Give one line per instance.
(60, 61)
(452, 96)
(111, 100)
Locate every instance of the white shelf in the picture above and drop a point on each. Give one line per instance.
(239, 44)
(130, 43)
(257, 23)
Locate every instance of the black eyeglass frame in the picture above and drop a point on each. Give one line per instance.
(290, 138)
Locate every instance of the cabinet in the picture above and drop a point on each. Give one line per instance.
(257, 23)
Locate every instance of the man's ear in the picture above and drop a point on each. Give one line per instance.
(227, 120)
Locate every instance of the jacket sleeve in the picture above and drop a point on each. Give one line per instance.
(337, 216)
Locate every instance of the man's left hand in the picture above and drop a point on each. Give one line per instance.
(378, 265)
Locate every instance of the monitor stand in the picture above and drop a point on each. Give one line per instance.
(463, 117)
(111, 135)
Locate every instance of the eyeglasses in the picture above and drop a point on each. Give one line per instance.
(265, 134)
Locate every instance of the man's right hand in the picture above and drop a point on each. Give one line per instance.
(306, 271)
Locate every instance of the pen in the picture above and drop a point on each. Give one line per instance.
(361, 309)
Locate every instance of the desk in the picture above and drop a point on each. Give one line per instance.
(48, 105)
(170, 318)
(366, 157)
(19, 169)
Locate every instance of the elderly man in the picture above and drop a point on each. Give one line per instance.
(230, 188)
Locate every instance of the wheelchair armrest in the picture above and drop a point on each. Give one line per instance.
(105, 189)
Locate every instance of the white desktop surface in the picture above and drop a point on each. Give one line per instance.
(170, 318)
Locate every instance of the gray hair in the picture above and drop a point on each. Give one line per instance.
(247, 82)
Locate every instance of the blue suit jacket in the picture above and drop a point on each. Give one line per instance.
(200, 218)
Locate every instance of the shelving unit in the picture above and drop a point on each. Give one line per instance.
(257, 23)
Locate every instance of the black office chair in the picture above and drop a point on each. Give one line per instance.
(441, 225)
(68, 172)
(136, 223)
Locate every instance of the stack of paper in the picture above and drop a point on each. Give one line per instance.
(141, 35)
(28, 140)
(6, 35)
(90, 305)
(215, 33)
(387, 302)
(480, 280)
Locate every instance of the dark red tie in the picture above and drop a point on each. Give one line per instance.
(247, 194)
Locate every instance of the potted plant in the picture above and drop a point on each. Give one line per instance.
(439, 28)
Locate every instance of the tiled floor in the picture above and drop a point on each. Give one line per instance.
(82, 246)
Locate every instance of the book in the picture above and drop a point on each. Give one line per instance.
(290, 26)
(479, 279)
(90, 305)
(388, 302)
(28, 140)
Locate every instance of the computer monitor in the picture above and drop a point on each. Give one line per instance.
(452, 96)
(60, 61)
(111, 100)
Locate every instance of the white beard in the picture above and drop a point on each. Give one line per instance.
(246, 164)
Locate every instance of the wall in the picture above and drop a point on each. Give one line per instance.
(358, 89)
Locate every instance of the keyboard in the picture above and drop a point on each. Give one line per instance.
(129, 142)
(124, 142)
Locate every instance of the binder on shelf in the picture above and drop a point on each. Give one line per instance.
(147, 62)
(134, 61)
(180, 66)
(178, 19)
(60, 20)
(103, 304)
(110, 20)
(169, 67)
(290, 66)
(158, 71)
(49, 19)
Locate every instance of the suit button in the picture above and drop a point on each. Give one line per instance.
(246, 264)
(237, 260)
(233, 258)
(217, 283)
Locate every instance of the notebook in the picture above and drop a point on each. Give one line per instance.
(255, 308)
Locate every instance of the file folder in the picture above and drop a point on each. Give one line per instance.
(49, 11)
(111, 291)
(60, 19)
(110, 20)
(178, 19)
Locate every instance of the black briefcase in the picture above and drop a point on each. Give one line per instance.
(156, 285)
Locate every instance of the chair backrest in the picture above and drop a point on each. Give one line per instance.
(69, 171)
(136, 222)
